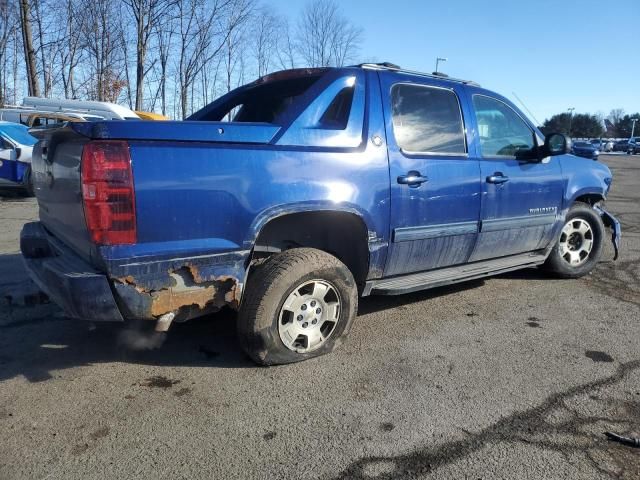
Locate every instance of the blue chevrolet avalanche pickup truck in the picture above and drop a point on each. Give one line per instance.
(327, 185)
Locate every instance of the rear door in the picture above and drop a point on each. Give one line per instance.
(520, 199)
(435, 185)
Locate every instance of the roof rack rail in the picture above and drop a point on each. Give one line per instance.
(397, 68)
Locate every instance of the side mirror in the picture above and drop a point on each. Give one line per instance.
(9, 154)
(555, 144)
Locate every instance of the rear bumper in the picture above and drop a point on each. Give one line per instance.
(76, 287)
(136, 288)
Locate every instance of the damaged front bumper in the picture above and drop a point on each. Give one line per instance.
(613, 223)
(144, 289)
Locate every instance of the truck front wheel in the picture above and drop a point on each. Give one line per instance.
(298, 305)
(579, 247)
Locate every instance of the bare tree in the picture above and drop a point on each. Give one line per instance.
(70, 53)
(265, 31)
(285, 48)
(29, 52)
(147, 14)
(164, 34)
(345, 41)
(203, 31)
(102, 33)
(7, 34)
(233, 28)
(325, 37)
(616, 115)
(180, 50)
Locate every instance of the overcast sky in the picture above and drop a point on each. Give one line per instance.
(552, 54)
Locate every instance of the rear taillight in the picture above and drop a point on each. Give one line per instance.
(107, 190)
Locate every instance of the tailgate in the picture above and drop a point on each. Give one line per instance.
(56, 177)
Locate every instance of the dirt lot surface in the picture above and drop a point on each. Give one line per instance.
(514, 377)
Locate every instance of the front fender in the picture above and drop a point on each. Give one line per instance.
(584, 178)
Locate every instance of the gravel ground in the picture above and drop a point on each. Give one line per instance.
(513, 377)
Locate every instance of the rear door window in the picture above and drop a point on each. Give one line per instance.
(427, 120)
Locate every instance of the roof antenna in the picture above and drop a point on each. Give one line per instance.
(525, 107)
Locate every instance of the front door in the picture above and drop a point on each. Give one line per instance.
(435, 184)
(520, 199)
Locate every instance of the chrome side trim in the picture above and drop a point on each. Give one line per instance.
(497, 224)
(408, 234)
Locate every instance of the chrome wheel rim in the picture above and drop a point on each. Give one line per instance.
(576, 242)
(309, 316)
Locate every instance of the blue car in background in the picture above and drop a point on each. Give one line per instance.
(16, 145)
(585, 149)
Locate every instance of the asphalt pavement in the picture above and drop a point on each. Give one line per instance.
(513, 377)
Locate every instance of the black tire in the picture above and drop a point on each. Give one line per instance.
(268, 288)
(558, 265)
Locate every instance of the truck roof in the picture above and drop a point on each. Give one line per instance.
(385, 66)
(395, 68)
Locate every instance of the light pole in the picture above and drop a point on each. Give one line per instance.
(438, 60)
(570, 110)
(633, 126)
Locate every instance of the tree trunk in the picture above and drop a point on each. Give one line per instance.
(29, 52)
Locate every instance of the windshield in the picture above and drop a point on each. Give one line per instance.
(19, 134)
(581, 144)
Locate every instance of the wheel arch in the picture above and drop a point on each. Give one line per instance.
(589, 198)
(589, 195)
(342, 233)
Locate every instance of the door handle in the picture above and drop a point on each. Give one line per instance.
(414, 179)
(497, 178)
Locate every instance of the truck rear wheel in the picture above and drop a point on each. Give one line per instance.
(579, 247)
(298, 305)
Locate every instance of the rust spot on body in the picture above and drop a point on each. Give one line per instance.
(189, 289)
(129, 280)
(170, 300)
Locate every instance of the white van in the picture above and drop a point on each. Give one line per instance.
(106, 110)
(78, 109)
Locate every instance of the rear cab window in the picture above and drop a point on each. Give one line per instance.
(320, 107)
(263, 101)
(427, 120)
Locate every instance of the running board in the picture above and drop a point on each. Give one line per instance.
(446, 276)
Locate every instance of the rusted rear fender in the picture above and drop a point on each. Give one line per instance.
(189, 287)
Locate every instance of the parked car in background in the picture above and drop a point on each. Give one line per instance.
(106, 110)
(603, 145)
(585, 149)
(16, 145)
(329, 184)
(151, 116)
(621, 146)
(634, 146)
(47, 119)
(49, 108)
